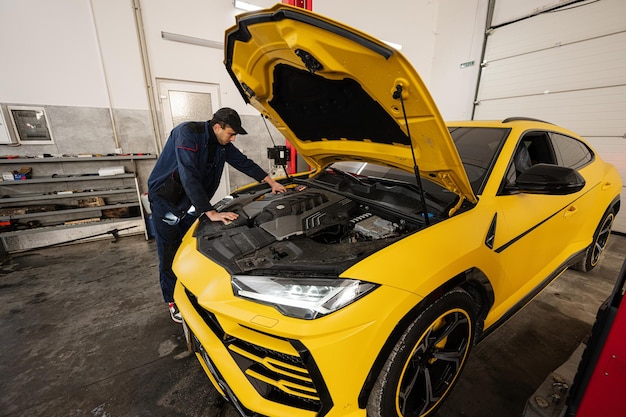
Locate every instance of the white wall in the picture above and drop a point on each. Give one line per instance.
(49, 54)
(59, 53)
(179, 61)
(86, 53)
(120, 52)
(459, 40)
(411, 24)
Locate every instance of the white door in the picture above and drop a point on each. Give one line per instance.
(565, 65)
(188, 101)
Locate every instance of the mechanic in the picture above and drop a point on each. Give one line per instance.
(185, 178)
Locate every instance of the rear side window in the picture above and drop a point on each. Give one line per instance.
(571, 152)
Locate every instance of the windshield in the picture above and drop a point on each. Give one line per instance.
(387, 187)
(478, 148)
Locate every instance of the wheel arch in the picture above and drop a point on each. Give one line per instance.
(473, 281)
(580, 262)
(616, 204)
(479, 287)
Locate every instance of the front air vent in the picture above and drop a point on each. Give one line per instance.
(276, 376)
(293, 380)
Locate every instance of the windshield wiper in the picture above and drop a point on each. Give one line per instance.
(349, 176)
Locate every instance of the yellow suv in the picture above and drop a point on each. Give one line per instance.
(362, 289)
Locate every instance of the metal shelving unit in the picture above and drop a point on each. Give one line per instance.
(43, 201)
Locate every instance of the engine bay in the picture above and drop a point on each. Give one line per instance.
(306, 226)
(322, 215)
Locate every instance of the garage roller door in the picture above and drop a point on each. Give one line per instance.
(565, 65)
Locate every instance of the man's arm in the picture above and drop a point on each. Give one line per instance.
(276, 186)
(244, 164)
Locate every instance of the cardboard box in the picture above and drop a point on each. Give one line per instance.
(91, 202)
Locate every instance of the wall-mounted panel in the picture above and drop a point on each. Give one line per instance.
(591, 113)
(31, 125)
(511, 10)
(593, 63)
(560, 27)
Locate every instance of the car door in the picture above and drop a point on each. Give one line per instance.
(572, 153)
(535, 231)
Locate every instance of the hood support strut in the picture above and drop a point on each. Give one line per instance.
(418, 178)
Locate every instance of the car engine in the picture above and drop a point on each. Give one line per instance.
(298, 228)
(318, 213)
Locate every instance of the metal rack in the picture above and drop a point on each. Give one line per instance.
(56, 189)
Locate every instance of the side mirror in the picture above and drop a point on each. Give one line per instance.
(549, 179)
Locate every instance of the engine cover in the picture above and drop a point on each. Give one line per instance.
(304, 212)
(306, 228)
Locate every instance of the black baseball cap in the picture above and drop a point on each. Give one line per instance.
(231, 118)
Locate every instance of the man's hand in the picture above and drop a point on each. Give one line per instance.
(225, 217)
(276, 186)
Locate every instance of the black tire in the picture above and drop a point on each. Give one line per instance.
(427, 360)
(597, 247)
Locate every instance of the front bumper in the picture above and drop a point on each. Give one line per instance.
(270, 365)
(279, 377)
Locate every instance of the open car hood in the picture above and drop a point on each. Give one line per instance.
(333, 92)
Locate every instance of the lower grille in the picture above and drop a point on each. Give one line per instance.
(276, 377)
(282, 378)
(243, 411)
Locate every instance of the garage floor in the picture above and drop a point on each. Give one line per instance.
(83, 332)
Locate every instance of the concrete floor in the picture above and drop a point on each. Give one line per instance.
(83, 332)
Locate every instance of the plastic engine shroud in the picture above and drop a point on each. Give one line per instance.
(311, 230)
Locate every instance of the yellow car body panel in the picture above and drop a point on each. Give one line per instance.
(487, 241)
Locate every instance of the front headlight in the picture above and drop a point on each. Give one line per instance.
(303, 298)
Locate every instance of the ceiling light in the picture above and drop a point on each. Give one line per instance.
(191, 40)
(242, 5)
